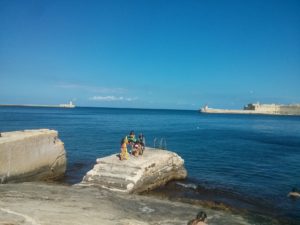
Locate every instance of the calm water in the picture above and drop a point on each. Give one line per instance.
(248, 162)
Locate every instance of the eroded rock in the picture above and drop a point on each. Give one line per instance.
(31, 155)
(137, 174)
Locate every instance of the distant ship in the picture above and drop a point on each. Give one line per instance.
(257, 108)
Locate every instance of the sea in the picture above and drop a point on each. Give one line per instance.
(244, 163)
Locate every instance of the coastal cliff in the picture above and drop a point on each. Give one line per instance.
(31, 155)
(137, 174)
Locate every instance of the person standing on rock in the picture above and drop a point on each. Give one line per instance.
(124, 153)
(142, 142)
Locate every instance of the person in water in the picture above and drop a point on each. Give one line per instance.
(294, 193)
(200, 219)
(124, 153)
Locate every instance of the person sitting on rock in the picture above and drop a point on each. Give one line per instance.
(131, 137)
(142, 142)
(124, 153)
(200, 219)
(136, 149)
(131, 140)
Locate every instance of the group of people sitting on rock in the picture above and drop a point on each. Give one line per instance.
(137, 146)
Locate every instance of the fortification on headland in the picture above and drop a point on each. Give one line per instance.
(257, 108)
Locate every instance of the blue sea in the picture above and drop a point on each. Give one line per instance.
(249, 163)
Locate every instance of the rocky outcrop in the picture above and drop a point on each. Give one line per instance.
(31, 155)
(44, 204)
(137, 174)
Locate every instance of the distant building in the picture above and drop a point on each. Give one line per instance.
(70, 105)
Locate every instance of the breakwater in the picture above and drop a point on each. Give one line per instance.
(264, 109)
(68, 105)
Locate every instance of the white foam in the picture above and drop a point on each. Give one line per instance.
(190, 185)
(146, 209)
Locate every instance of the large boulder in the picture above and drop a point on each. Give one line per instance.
(31, 155)
(137, 174)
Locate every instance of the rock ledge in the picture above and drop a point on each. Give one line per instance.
(137, 174)
(31, 155)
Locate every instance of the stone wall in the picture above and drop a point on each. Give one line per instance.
(290, 110)
(31, 155)
(276, 109)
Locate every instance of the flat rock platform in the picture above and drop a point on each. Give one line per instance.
(137, 174)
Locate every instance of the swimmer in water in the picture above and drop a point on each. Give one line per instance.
(294, 193)
(200, 219)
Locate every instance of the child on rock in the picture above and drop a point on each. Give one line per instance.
(124, 153)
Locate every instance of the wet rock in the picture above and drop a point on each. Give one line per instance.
(31, 155)
(137, 174)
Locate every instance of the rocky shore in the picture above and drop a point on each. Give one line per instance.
(101, 198)
(48, 204)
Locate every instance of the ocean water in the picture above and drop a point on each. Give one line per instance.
(248, 163)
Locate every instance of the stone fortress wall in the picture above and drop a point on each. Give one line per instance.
(274, 109)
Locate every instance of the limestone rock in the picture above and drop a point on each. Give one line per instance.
(153, 169)
(31, 155)
(44, 204)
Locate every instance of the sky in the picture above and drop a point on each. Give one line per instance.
(165, 54)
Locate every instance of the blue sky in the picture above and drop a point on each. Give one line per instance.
(150, 54)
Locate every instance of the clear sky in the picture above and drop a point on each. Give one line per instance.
(150, 54)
